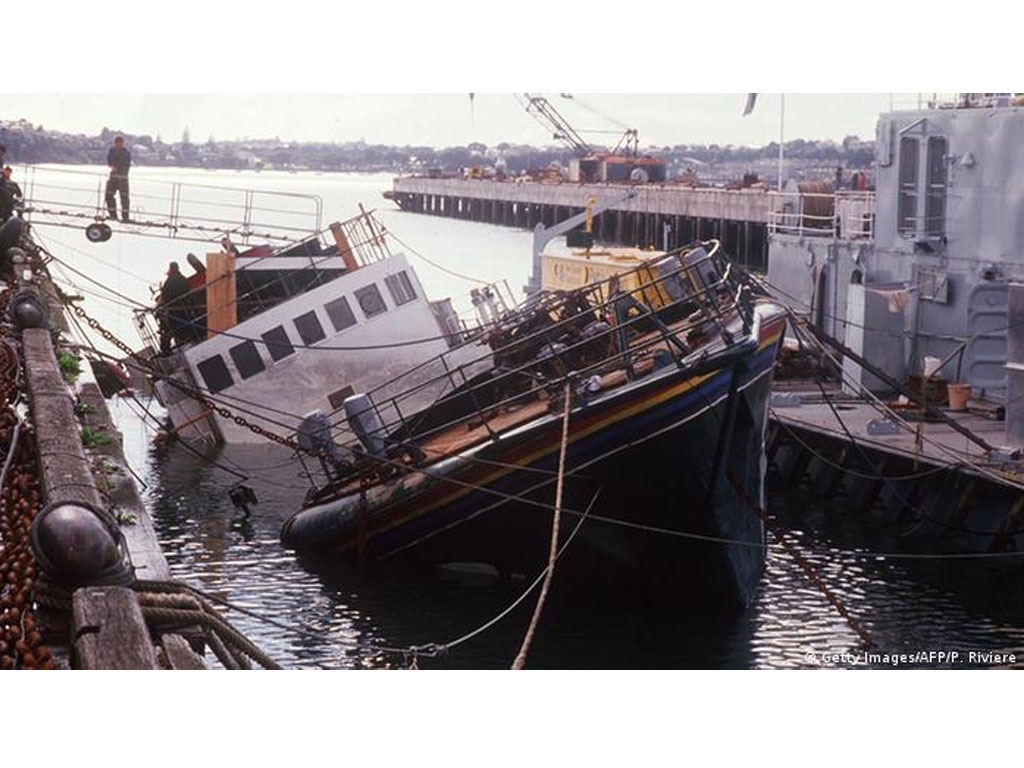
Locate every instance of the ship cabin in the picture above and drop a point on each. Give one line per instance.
(276, 334)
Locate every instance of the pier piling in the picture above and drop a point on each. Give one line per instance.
(667, 214)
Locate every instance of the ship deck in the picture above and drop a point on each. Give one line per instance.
(491, 421)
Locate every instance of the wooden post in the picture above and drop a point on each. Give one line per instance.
(344, 249)
(179, 655)
(221, 303)
(109, 631)
(65, 471)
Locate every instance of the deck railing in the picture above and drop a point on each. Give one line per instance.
(366, 239)
(699, 288)
(846, 215)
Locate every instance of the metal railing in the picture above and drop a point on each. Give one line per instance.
(366, 240)
(73, 198)
(847, 215)
(951, 100)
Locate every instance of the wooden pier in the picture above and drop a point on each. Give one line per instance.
(659, 216)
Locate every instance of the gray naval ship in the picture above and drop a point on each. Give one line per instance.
(922, 266)
(922, 277)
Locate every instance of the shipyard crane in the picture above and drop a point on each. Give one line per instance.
(545, 113)
(629, 141)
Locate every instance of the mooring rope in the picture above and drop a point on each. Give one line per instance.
(169, 609)
(520, 660)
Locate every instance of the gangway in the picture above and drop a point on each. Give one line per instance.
(71, 198)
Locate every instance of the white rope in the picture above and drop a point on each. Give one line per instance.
(520, 660)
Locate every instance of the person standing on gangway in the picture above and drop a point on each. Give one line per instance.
(119, 159)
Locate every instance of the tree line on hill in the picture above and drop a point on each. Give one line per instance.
(27, 143)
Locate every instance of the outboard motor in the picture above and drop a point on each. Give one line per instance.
(364, 422)
(314, 434)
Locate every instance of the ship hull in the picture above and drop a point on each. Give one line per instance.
(654, 468)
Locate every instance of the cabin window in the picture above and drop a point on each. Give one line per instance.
(309, 328)
(340, 314)
(935, 202)
(247, 359)
(337, 399)
(400, 287)
(278, 344)
(906, 206)
(215, 373)
(370, 300)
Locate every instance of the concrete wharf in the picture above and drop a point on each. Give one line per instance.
(85, 583)
(659, 216)
(932, 443)
(105, 628)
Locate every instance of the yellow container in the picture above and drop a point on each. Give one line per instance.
(566, 272)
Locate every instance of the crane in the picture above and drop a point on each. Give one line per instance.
(629, 141)
(546, 114)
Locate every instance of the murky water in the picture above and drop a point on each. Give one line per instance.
(337, 617)
(348, 618)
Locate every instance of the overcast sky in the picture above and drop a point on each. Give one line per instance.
(447, 119)
(202, 64)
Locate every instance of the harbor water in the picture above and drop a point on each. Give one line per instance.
(336, 615)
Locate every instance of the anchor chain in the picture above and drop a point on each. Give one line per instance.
(147, 365)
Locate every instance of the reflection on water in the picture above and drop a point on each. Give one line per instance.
(348, 618)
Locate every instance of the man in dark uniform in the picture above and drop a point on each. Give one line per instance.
(6, 203)
(119, 159)
(11, 185)
(173, 315)
(10, 226)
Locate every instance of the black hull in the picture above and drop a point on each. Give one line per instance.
(652, 525)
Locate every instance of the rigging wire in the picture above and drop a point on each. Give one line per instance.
(886, 411)
(433, 263)
(241, 337)
(118, 268)
(156, 421)
(850, 470)
(771, 288)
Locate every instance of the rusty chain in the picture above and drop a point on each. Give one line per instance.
(805, 565)
(221, 410)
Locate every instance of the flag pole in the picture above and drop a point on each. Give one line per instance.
(782, 127)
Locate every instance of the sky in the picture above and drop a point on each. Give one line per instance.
(449, 119)
(400, 72)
